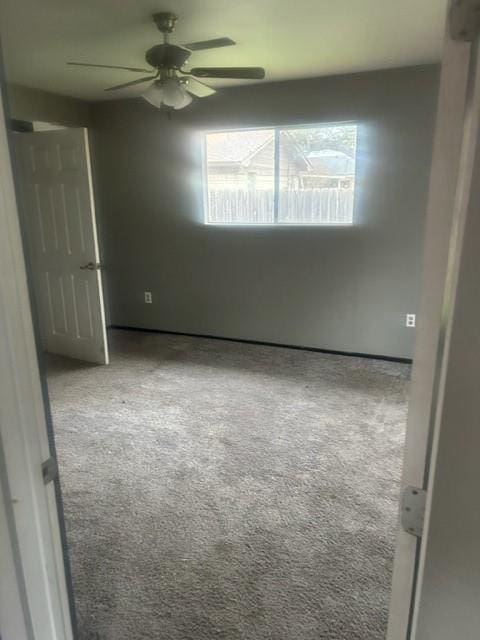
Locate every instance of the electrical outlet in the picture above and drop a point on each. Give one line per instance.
(410, 320)
(148, 297)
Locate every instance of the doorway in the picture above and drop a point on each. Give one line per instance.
(179, 361)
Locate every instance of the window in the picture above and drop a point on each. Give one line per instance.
(241, 176)
(283, 175)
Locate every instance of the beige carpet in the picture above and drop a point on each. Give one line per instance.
(218, 490)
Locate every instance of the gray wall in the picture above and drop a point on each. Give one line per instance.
(35, 105)
(343, 288)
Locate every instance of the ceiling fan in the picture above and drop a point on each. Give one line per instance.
(170, 85)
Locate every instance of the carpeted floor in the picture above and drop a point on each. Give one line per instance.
(218, 490)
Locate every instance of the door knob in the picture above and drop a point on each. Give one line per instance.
(90, 266)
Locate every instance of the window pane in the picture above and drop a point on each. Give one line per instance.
(317, 174)
(240, 174)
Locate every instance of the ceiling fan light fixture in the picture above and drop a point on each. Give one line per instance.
(167, 62)
(168, 92)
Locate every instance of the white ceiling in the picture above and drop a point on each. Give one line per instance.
(290, 38)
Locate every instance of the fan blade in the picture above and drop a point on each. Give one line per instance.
(198, 89)
(209, 44)
(109, 66)
(130, 84)
(247, 73)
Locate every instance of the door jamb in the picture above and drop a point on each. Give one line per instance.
(32, 509)
(429, 349)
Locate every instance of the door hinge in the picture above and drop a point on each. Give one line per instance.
(413, 510)
(91, 266)
(464, 20)
(49, 470)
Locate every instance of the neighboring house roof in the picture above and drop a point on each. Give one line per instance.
(232, 147)
(331, 163)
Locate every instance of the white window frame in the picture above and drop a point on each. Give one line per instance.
(276, 129)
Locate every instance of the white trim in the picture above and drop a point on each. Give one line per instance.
(97, 248)
(308, 125)
(24, 433)
(456, 412)
(14, 614)
(429, 348)
(256, 225)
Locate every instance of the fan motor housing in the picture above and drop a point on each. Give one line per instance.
(165, 21)
(167, 55)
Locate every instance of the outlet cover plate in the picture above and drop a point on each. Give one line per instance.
(410, 320)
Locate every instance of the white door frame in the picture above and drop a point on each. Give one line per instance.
(32, 550)
(448, 586)
(14, 614)
(446, 174)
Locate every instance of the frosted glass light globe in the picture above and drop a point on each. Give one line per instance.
(187, 98)
(173, 93)
(154, 94)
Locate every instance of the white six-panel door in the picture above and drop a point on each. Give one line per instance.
(57, 202)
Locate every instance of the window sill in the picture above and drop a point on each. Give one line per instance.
(297, 225)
